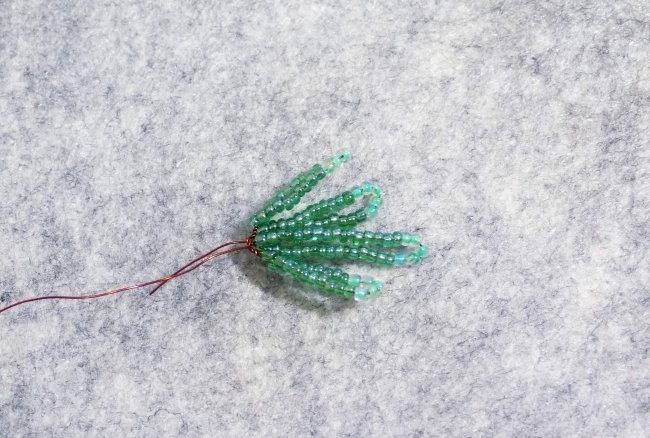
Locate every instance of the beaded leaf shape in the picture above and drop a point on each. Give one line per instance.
(321, 231)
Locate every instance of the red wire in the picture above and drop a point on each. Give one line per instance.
(201, 260)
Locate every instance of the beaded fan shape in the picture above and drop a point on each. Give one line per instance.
(321, 231)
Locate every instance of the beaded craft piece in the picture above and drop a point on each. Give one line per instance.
(319, 231)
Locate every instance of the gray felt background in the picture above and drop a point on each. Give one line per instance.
(513, 136)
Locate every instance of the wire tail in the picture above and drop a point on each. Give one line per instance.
(205, 257)
(189, 267)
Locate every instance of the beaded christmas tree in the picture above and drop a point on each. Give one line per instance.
(319, 231)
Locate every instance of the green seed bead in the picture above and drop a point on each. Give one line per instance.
(354, 280)
(332, 164)
(360, 293)
(361, 215)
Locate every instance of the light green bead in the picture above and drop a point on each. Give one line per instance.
(360, 293)
(354, 280)
(344, 155)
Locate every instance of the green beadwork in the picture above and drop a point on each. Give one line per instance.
(319, 231)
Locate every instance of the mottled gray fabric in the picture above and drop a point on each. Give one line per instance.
(512, 136)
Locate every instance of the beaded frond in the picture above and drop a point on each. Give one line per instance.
(322, 231)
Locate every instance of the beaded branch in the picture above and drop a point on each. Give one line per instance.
(319, 231)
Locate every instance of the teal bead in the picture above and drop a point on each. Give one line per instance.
(360, 294)
(332, 164)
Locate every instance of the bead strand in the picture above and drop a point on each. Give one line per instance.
(313, 275)
(335, 234)
(288, 197)
(332, 280)
(348, 252)
(326, 209)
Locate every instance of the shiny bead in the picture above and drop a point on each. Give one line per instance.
(354, 280)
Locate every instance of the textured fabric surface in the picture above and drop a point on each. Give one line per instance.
(512, 136)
